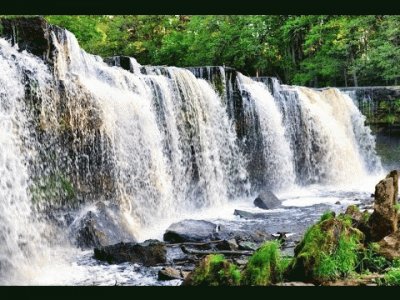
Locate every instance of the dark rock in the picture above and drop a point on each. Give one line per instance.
(191, 231)
(148, 253)
(337, 202)
(383, 220)
(389, 246)
(100, 226)
(169, 273)
(267, 200)
(249, 215)
(230, 245)
(32, 34)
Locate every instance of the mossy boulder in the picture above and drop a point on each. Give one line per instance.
(359, 219)
(265, 266)
(328, 250)
(214, 270)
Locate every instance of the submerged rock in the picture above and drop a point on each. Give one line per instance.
(384, 219)
(191, 231)
(148, 253)
(267, 200)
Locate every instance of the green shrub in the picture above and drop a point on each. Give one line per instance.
(215, 270)
(265, 266)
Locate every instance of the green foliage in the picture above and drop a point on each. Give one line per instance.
(314, 50)
(391, 278)
(265, 266)
(371, 261)
(328, 250)
(327, 216)
(215, 270)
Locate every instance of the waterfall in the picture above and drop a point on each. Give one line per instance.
(153, 142)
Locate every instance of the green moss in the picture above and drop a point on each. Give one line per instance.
(55, 187)
(327, 215)
(215, 270)
(328, 250)
(265, 266)
(391, 278)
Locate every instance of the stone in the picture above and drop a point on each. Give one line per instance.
(337, 203)
(148, 253)
(169, 273)
(101, 226)
(384, 219)
(389, 246)
(267, 200)
(191, 231)
(249, 215)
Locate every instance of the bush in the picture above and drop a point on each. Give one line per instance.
(265, 266)
(215, 270)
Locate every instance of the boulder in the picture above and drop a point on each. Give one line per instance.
(267, 200)
(169, 273)
(383, 220)
(191, 231)
(100, 226)
(389, 246)
(148, 253)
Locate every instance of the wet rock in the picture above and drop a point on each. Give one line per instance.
(247, 245)
(389, 246)
(169, 273)
(191, 231)
(337, 203)
(101, 226)
(383, 220)
(148, 253)
(230, 245)
(267, 200)
(249, 215)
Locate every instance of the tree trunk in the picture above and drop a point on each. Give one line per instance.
(355, 78)
(345, 77)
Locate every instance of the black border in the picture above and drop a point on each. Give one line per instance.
(295, 7)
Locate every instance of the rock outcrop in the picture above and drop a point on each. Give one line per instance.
(384, 219)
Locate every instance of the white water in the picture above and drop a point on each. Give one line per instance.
(160, 146)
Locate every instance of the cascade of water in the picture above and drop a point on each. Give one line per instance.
(154, 142)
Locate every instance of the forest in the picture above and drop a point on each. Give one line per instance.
(310, 50)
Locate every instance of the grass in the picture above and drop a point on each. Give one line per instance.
(215, 270)
(265, 266)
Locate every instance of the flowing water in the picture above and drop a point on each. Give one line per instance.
(159, 144)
